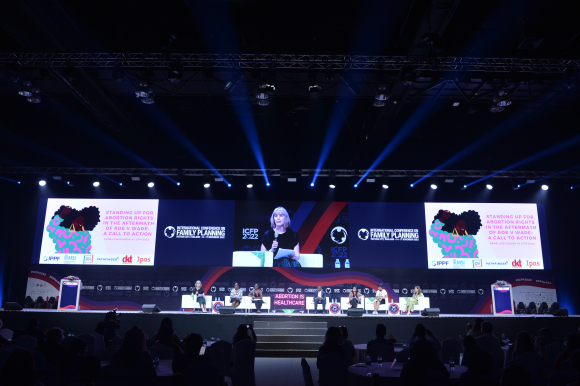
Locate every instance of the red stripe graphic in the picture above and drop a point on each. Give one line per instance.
(322, 226)
(215, 275)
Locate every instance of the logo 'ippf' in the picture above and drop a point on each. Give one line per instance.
(517, 263)
(128, 259)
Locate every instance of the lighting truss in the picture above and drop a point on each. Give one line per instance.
(291, 62)
(528, 175)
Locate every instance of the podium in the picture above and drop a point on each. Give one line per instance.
(69, 294)
(502, 300)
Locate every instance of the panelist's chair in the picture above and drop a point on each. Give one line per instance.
(250, 305)
(310, 304)
(345, 304)
(243, 304)
(369, 305)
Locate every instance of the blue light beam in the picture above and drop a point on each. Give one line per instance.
(8, 179)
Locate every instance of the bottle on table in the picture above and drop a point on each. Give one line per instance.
(368, 360)
(380, 361)
(451, 364)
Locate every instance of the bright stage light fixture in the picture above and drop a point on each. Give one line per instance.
(545, 187)
(379, 104)
(411, 185)
(249, 181)
(42, 182)
(313, 86)
(175, 72)
(263, 102)
(151, 184)
(433, 186)
(206, 182)
(489, 186)
(332, 181)
(385, 186)
(262, 95)
(96, 184)
(312, 184)
(496, 109)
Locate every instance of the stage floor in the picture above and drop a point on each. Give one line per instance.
(361, 329)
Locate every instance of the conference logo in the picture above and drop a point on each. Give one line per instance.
(216, 306)
(99, 288)
(334, 308)
(480, 291)
(88, 259)
(169, 232)
(338, 234)
(137, 288)
(442, 291)
(405, 291)
(290, 290)
(328, 291)
(212, 289)
(250, 233)
(393, 309)
(517, 263)
(51, 258)
(363, 234)
(459, 263)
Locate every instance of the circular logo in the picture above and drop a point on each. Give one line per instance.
(175, 288)
(212, 289)
(338, 235)
(394, 309)
(99, 287)
(328, 291)
(363, 234)
(404, 290)
(137, 288)
(169, 232)
(216, 306)
(366, 290)
(442, 291)
(290, 290)
(480, 291)
(334, 308)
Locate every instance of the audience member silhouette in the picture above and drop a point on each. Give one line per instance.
(244, 333)
(544, 338)
(572, 344)
(380, 333)
(134, 358)
(192, 345)
(51, 347)
(71, 358)
(347, 344)
(161, 334)
(3, 341)
(477, 361)
(516, 376)
(524, 344)
(474, 331)
(422, 333)
(112, 325)
(423, 364)
(489, 343)
(331, 344)
(19, 369)
(32, 330)
(101, 327)
(165, 336)
(88, 370)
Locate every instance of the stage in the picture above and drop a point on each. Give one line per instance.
(361, 329)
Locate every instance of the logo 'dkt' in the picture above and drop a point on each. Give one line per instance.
(517, 263)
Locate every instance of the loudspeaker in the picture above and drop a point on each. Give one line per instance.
(150, 308)
(561, 312)
(355, 311)
(430, 312)
(227, 310)
(12, 306)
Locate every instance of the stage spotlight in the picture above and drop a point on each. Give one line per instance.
(96, 184)
(312, 184)
(236, 76)
(263, 102)
(145, 93)
(249, 181)
(411, 185)
(42, 182)
(433, 186)
(206, 181)
(120, 184)
(489, 186)
(501, 99)
(229, 185)
(385, 182)
(408, 76)
(379, 104)
(175, 72)
(151, 184)
(332, 182)
(178, 183)
(267, 184)
(464, 187)
(496, 109)
(313, 86)
(385, 186)
(545, 187)
(262, 95)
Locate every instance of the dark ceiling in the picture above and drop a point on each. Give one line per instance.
(95, 121)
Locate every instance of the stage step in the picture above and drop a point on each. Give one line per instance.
(288, 338)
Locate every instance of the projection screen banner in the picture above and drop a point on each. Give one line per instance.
(335, 235)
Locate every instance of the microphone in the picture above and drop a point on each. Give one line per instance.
(276, 239)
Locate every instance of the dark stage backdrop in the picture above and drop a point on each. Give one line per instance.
(20, 208)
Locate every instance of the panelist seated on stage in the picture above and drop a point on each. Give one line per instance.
(282, 240)
(319, 298)
(199, 292)
(380, 298)
(257, 296)
(413, 301)
(236, 295)
(355, 298)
